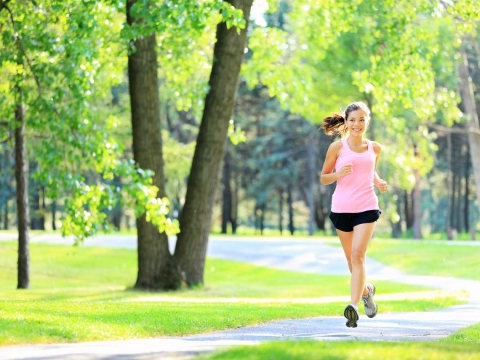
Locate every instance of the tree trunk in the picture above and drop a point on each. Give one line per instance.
(5, 213)
(468, 101)
(448, 222)
(408, 210)
(397, 226)
(53, 208)
(466, 201)
(453, 202)
(280, 210)
(319, 212)
(458, 220)
(311, 182)
(227, 192)
(234, 213)
(291, 226)
(196, 217)
(21, 176)
(156, 266)
(38, 219)
(262, 218)
(417, 214)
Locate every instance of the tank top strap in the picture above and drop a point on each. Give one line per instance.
(370, 146)
(345, 147)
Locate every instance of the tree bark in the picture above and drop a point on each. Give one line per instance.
(234, 213)
(196, 217)
(262, 209)
(21, 177)
(227, 193)
(53, 208)
(408, 210)
(468, 101)
(466, 201)
(448, 176)
(280, 210)
(458, 220)
(311, 182)
(291, 226)
(156, 266)
(453, 202)
(5, 218)
(417, 214)
(397, 227)
(37, 221)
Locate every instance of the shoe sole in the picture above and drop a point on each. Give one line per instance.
(376, 306)
(351, 315)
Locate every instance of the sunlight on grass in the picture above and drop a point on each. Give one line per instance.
(83, 294)
(469, 335)
(307, 350)
(66, 321)
(422, 258)
(87, 273)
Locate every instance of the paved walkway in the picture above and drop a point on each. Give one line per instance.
(299, 255)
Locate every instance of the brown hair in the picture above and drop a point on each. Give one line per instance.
(336, 123)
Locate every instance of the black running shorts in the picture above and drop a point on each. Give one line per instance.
(346, 221)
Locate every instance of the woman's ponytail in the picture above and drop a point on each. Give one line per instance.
(334, 124)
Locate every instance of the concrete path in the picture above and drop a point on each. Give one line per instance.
(299, 255)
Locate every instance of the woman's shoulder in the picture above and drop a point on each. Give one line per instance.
(336, 145)
(335, 148)
(376, 146)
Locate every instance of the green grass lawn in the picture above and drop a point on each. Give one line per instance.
(82, 293)
(424, 258)
(464, 344)
(357, 350)
(410, 256)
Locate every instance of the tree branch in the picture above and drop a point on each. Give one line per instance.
(3, 4)
(446, 129)
(22, 50)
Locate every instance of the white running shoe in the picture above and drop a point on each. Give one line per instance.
(370, 306)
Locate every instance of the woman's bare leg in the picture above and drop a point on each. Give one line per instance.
(346, 239)
(361, 237)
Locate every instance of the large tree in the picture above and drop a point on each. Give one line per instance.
(53, 81)
(195, 220)
(156, 266)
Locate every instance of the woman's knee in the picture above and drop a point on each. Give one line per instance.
(358, 258)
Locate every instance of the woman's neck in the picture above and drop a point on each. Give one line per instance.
(355, 140)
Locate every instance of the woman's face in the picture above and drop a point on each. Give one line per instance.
(357, 122)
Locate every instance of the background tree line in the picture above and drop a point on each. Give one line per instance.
(109, 108)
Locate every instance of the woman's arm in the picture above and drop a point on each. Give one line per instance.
(327, 176)
(377, 181)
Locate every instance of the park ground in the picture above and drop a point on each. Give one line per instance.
(84, 294)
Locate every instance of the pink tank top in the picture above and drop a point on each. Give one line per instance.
(355, 193)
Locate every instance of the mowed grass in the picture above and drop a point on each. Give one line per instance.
(464, 344)
(40, 321)
(424, 258)
(83, 294)
(469, 335)
(349, 350)
(95, 273)
(410, 256)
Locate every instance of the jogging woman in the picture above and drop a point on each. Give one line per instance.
(354, 204)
